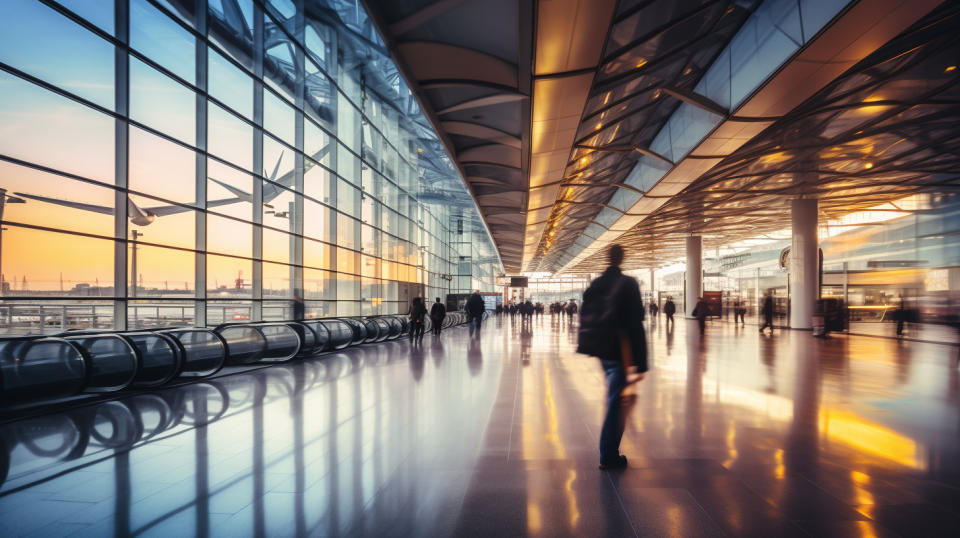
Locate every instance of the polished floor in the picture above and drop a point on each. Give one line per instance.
(735, 433)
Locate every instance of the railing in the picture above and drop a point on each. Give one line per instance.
(45, 369)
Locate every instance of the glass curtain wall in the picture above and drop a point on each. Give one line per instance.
(169, 162)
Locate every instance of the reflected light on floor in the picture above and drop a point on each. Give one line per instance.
(869, 438)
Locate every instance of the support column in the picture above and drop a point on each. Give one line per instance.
(653, 287)
(804, 263)
(694, 285)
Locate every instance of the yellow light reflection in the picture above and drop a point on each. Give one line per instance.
(780, 471)
(534, 521)
(731, 444)
(861, 481)
(873, 109)
(868, 437)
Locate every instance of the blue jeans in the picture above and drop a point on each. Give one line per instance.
(611, 432)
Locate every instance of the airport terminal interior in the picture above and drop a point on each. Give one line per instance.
(321, 267)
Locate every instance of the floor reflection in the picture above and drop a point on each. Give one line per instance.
(495, 434)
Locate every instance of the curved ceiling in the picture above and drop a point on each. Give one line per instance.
(884, 130)
(469, 63)
(547, 106)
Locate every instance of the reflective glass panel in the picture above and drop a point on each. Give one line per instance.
(54, 201)
(228, 236)
(35, 120)
(229, 84)
(68, 264)
(159, 38)
(160, 102)
(36, 40)
(162, 168)
(228, 137)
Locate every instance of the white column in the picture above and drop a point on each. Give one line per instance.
(694, 286)
(804, 263)
(653, 287)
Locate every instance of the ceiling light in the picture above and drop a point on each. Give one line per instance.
(419, 150)
(640, 63)
(598, 126)
(868, 165)
(950, 68)
(585, 160)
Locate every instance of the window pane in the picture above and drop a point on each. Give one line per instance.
(320, 98)
(228, 84)
(276, 280)
(171, 224)
(278, 162)
(281, 213)
(278, 118)
(162, 168)
(348, 289)
(162, 40)
(100, 13)
(67, 265)
(26, 183)
(51, 47)
(316, 254)
(229, 138)
(348, 198)
(224, 30)
(317, 144)
(162, 272)
(228, 277)
(316, 221)
(318, 285)
(229, 191)
(227, 236)
(162, 103)
(277, 246)
(347, 232)
(317, 181)
(347, 261)
(35, 120)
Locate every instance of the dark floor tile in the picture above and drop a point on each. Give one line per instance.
(914, 519)
(741, 512)
(667, 512)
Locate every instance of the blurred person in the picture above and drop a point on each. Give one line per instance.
(669, 309)
(417, 313)
(700, 312)
(767, 311)
(437, 314)
(611, 329)
(475, 309)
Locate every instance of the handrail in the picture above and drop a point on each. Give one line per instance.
(39, 368)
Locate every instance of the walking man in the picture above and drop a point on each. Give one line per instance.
(611, 329)
(437, 313)
(475, 310)
(669, 309)
(767, 312)
(700, 312)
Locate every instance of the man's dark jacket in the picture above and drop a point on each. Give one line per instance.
(475, 306)
(768, 308)
(438, 311)
(611, 307)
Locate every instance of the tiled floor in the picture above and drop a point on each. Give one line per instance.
(735, 434)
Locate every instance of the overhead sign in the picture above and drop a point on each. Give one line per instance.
(519, 282)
